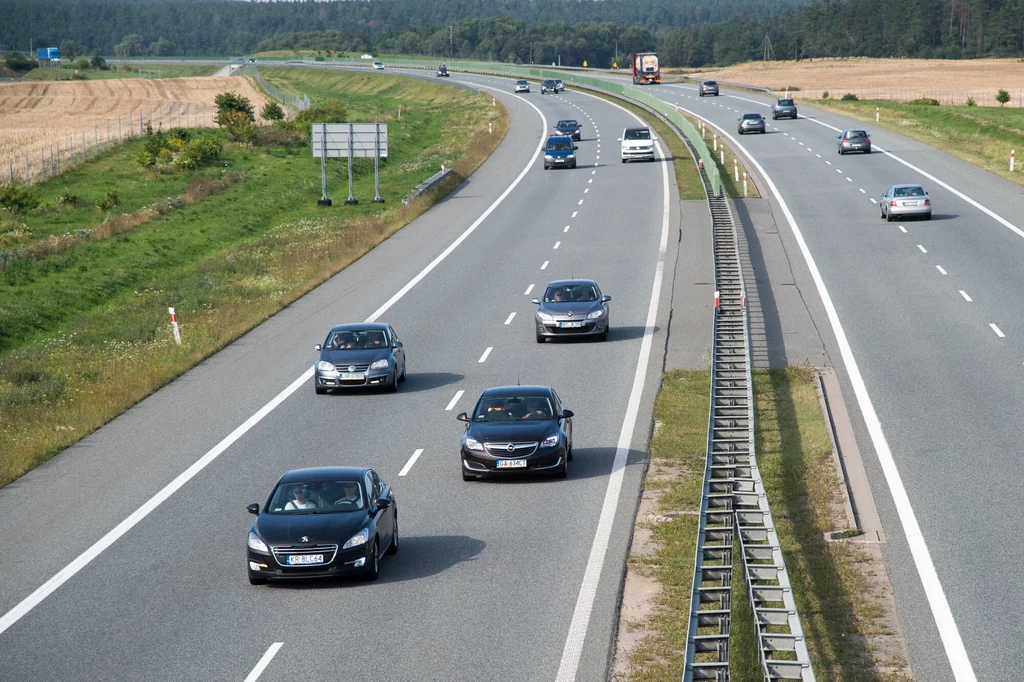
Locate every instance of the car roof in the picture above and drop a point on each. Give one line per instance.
(571, 282)
(855, 130)
(752, 113)
(518, 390)
(913, 184)
(559, 137)
(711, 82)
(568, 121)
(350, 326)
(522, 80)
(324, 474)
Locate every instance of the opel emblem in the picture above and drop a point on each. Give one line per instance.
(304, 538)
(351, 368)
(511, 447)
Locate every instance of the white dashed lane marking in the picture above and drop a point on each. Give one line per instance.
(557, 244)
(451, 405)
(923, 250)
(412, 460)
(528, 290)
(487, 352)
(508, 320)
(941, 269)
(996, 329)
(545, 265)
(966, 297)
(903, 229)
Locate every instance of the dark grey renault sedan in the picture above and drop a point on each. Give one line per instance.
(357, 355)
(572, 307)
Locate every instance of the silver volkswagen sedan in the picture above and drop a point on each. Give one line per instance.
(905, 201)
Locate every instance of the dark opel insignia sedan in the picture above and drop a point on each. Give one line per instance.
(322, 523)
(359, 355)
(516, 429)
(573, 307)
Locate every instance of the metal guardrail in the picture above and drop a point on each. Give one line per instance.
(293, 103)
(734, 505)
(428, 184)
(728, 84)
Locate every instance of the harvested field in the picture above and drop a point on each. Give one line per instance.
(35, 115)
(948, 81)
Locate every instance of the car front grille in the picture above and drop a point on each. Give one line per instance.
(282, 552)
(518, 449)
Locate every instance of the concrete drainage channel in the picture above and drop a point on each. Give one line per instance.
(734, 505)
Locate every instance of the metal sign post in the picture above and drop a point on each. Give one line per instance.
(351, 199)
(324, 201)
(376, 165)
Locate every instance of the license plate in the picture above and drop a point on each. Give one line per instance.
(305, 559)
(570, 325)
(911, 203)
(353, 376)
(511, 464)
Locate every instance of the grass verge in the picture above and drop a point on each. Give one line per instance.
(982, 136)
(226, 261)
(839, 606)
(154, 71)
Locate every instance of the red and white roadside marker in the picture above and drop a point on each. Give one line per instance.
(744, 183)
(174, 326)
(736, 169)
(876, 114)
(717, 299)
(1013, 152)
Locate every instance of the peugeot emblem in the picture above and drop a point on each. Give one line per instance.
(511, 447)
(304, 538)
(351, 368)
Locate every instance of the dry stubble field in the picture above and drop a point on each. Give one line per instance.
(949, 81)
(37, 114)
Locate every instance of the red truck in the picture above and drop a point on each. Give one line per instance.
(645, 68)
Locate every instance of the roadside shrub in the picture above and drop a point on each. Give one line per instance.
(279, 137)
(79, 76)
(110, 200)
(925, 101)
(16, 61)
(272, 111)
(198, 152)
(1002, 96)
(230, 102)
(850, 97)
(82, 64)
(333, 111)
(17, 197)
(68, 198)
(239, 126)
(824, 95)
(98, 62)
(971, 103)
(127, 68)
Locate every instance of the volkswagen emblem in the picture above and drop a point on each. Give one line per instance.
(511, 447)
(304, 538)
(351, 368)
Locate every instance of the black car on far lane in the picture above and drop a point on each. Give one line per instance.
(322, 523)
(356, 355)
(572, 307)
(517, 429)
(570, 127)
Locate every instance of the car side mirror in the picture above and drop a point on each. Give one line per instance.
(535, 301)
(654, 139)
(383, 503)
(620, 139)
(317, 346)
(462, 417)
(398, 344)
(567, 414)
(605, 298)
(253, 509)
(575, 147)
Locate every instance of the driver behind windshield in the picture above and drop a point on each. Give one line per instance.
(559, 145)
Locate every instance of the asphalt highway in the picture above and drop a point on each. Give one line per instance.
(124, 557)
(931, 316)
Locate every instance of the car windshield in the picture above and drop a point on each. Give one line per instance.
(637, 134)
(567, 124)
(785, 102)
(908, 192)
(521, 83)
(321, 497)
(549, 82)
(752, 117)
(357, 339)
(856, 134)
(559, 145)
(710, 83)
(571, 293)
(512, 408)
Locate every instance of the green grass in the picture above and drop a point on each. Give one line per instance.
(150, 71)
(982, 136)
(227, 256)
(837, 606)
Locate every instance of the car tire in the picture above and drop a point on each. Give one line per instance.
(373, 570)
(568, 453)
(540, 339)
(253, 580)
(320, 391)
(882, 215)
(467, 477)
(928, 217)
(547, 167)
(563, 471)
(888, 218)
(405, 373)
(762, 132)
(393, 547)
(604, 335)
(573, 165)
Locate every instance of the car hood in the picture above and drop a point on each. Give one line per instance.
(326, 528)
(559, 152)
(638, 143)
(520, 430)
(567, 129)
(354, 357)
(578, 309)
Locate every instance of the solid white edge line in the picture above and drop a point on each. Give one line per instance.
(264, 662)
(573, 650)
(511, 315)
(966, 297)
(83, 559)
(483, 358)
(997, 330)
(412, 460)
(451, 405)
(952, 641)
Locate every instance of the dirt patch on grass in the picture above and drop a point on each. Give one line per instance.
(948, 81)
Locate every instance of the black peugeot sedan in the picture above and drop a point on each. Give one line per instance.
(572, 307)
(357, 355)
(517, 429)
(321, 523)
(570, 127)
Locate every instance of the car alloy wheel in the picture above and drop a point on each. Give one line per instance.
(373, 572)
(393, 388)
(563, 470)
(405, 373)
(393, 547)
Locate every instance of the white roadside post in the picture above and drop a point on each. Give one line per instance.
(736, 169)
(714, 136)
(744, 183)
(876, 114)
(721, 156)
(174, 326)
(490, 130)
(1013, 153)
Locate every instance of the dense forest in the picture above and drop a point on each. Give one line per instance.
(686, 32)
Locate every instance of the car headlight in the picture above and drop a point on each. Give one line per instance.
(473, 444)
(595, 315)
(325, 366)
(359, 538)
(256, 544)
(550, 442)
(380, 364)
(544, 316)
(572, 156)
(548, 157)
